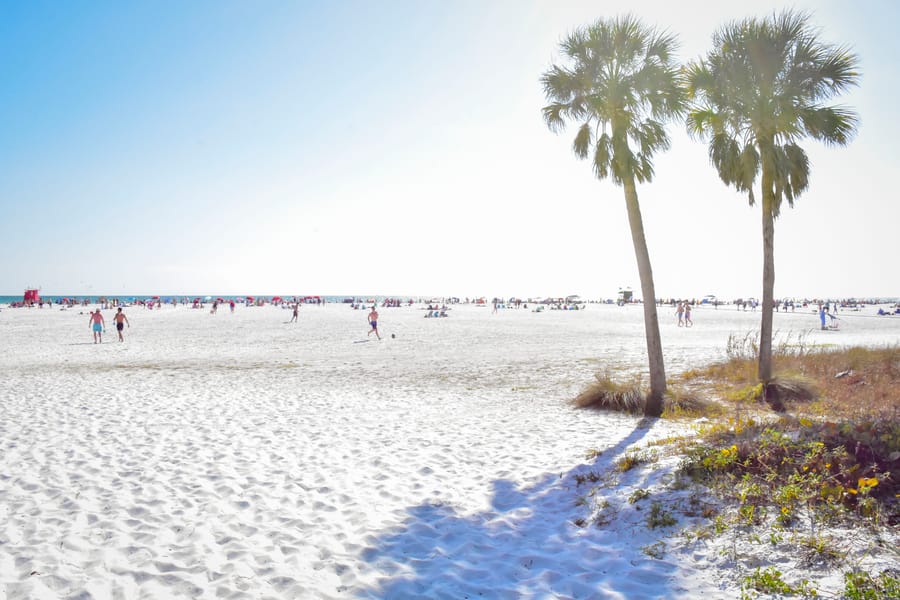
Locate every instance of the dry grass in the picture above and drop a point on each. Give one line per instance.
(839, 384)
(852, 384)
(782, 391)
(843, 403)
(607, 394)
(630, 398)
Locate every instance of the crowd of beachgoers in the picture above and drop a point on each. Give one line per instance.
(151, 302)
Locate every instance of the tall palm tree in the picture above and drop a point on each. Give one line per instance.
(620, 81)
(760, 90)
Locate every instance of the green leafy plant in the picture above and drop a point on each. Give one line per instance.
(638, 495)
(634, 459)
(659, 517)
(819, 549)
(859, 585)
(769, 581)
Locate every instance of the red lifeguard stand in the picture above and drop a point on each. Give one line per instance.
(32, 297)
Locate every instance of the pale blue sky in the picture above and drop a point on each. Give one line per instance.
(394, 148)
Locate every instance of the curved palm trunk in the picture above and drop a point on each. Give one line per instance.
(654, 404)
(768, 230)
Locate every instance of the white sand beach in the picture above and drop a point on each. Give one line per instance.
(240, 456)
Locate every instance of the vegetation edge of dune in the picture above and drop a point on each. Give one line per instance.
(827, 454)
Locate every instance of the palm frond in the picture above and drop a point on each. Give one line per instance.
(839, 71)
(748, 169)
(553, 116)
(582, 144)
(703, 123)
(602, 156)
(830, 124)
(795, 172)
(698, 79)
(560, 84)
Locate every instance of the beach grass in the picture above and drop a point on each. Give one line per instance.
(815, 451)
(838, 425)
(825, 455)
(608, 393)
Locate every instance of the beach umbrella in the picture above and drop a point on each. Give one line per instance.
(249, 297)
(276, 299)
(219, 300)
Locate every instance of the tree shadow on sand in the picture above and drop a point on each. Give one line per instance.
(526, 545)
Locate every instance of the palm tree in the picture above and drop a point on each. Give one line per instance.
(760, 90)
(621, 83)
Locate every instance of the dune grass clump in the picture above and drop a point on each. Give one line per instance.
(783, 391)
(635, 458)
(660, 517)
(607, 394)
(629, 397)
(680, 403)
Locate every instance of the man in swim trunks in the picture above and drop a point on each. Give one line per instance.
(373, 321)
(120, 320)
(97, 324)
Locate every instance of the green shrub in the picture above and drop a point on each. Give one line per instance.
(659, 517)
(862, 586)
(769, 581)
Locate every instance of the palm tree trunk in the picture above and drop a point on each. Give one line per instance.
(654, 405)
(768, 296)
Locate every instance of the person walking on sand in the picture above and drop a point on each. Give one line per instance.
(373, 321)
(97, 324)
(296, 312)
(680, 312)
(120, 320)
(687, 315)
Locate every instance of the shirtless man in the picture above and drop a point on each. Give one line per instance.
(296, 312)
(373, 321)
(97, 324)
(120, 319)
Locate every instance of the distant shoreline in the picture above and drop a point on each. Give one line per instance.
(341, 298)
